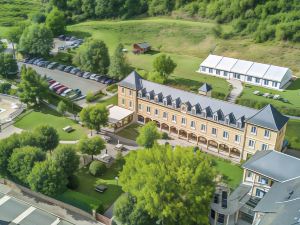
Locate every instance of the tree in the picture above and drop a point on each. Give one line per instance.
(65, 156)
(93, 56)
(46, 137)
(8, 66)
(2, 46)
(164, 65)
(88, 7)
(97, 168)
(5, 88)
(92, 146)
(174, 186)
(126, 211)
(56, 21)
(22, 161)
(94, 116)
(14, 34)
(60, 4)
(38, 17)
(33, 87)
(36, 40)
(48, 178)
(119, 66)
(148, 134)
(62, 107)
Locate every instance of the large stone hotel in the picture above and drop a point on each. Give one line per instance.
(219, 127)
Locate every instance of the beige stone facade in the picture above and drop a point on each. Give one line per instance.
(233, 142)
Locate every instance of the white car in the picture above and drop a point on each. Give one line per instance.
(93, 76)
(53, 85)
(66, 92)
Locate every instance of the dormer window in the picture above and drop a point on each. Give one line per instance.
(174, 105)
(193, 111)
(239, 124)
(156, 98)
(140, 95)
(183, 108)
(216, 117)
(203, 114)
(227, 121)
(165, 102)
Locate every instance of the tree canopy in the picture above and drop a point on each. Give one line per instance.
(8, 65)
(46, 137)
(91, 146)
(93, 56)
(164, 65)
(119, 66)
(148, 134)
(36, 40)
(56, 21)
(174, 186)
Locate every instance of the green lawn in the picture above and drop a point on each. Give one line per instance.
(110, 101)
(131, 132)
(52, 118)
(293, 134)
(86, 198)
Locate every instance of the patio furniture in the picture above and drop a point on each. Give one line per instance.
(100, 188)
(276, 97)
(119, 147)
(266, 95)
(68, 129)
(256, 92)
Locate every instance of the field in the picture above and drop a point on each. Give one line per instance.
(52, 118)
(13, 11)
(292, 134)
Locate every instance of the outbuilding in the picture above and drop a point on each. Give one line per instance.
(140, 48)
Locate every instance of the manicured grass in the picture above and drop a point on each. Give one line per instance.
(85, 196)
(131, 132)
(52, 118)
(232, 173)
(110, 101)
(293, 134)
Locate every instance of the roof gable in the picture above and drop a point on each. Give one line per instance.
(269, 117)
(132, 81)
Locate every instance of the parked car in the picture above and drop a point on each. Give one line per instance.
(52, 65)
(61, 90)
(93, 76)
(61, 67)
(61, 37)
(100, 188)
(35, 62)
(30, 61)
(74, 70)
(53, 85)
(78, 91)
(86, 75)
(51, 82)
(68, 69)
(66, 92)
(56, 87)
(79, 73)
(26, 60)
(109, 81)
(102, 80)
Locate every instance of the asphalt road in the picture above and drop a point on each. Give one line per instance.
(69, 80)
(13, 211)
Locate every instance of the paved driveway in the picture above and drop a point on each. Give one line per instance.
(69, 80)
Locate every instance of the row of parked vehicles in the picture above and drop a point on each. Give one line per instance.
(104, 79)
(63, 90)
(71, 42)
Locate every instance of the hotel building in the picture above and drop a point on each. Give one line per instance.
(219, 127)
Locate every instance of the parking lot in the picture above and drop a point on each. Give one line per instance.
(14, 211)
(69, 80)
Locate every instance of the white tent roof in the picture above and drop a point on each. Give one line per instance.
(226, 63)
(117, 113)
(241, 66)
(258, 70)
(276, 73)
(211, 61)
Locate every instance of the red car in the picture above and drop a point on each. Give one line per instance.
(61, 90)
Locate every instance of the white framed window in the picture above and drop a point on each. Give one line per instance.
(148, 109)
(264, 147)
(249, 176)
(257, 80)
(123, 90)
(193, 124)
(156, 112)
(266, 82)
(225, 73)
(214, 131)
(165, 115)
(130, 92)
(203, 127)
(174, 119)
(183, 121)
(123, 101)
(203, 68)
(218, 72)
(267, 134)
(253, 130)
(274, 84)
(237, 138)
(225, 135)
(210, 70)
(215, 117)
(263, 180)
(249, 78)
(130, 104)
(251, 143)
(140, 107)
(260, 193)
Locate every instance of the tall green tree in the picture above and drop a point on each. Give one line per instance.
(88, 8)
(22, 161)
(14, 34)
(36, 40)
(148, 134)
(46, 137)
(8, 65)
(48, 178)
(92, 146)
(33, 87)
(56, 21)
(93, 56)
(175, 186)
(60, 4)
(65, 156)
(119, 66)
(164, 65)
(62, 107)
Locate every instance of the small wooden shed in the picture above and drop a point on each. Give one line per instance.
(140, 48)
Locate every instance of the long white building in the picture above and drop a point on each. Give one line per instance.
(264, 75)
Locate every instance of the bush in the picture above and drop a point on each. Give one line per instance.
(218, 95)
(91, 97)
(164, 135)
(73, 182)
(100, 209)
(97, 168)
(112, 88)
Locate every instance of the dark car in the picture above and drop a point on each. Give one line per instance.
(102, 79)
(30, 61)
(61, 37)
(77, 91)
(67, 38)
(100, 188)
(61, 67)
(74, 70)
(52, 65)
(35, 62)
(46, 63)
(26, 60)
(79, 73)
(108, 80)
(68, 69)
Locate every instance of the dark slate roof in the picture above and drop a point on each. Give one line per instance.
(269, 117)
(132, 81)
(143, 45)
(281, 204)
(275, 165)
(205, 88)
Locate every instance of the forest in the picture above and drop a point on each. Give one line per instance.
(263, 19)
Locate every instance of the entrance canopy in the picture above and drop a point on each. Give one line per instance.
(117, 114)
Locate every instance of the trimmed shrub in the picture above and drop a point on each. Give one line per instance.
(73, 182)
(165, 136)
(97, 168)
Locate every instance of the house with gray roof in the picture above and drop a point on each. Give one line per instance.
(265, 75)
(268, 194)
